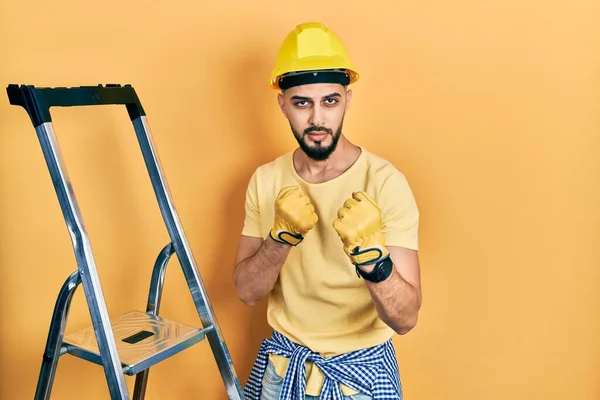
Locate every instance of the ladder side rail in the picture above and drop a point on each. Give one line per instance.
(186, 259)
(86, 265)
(56, 333)
(153, 307)
(158, 278)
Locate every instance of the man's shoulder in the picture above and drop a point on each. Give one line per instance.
(276, 163)
(380, 167)
(272, 168)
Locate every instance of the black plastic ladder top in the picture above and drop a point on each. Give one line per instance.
(38, 100)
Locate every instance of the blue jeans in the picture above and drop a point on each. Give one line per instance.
(272, 384)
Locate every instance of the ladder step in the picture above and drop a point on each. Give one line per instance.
(142, 339)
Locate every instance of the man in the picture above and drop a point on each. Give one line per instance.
(330, 236)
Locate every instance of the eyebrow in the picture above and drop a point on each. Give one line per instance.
(304, 98)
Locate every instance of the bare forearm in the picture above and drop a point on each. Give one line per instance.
(397, 302)
(255, 276)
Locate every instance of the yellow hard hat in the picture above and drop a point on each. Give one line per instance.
(312, 53)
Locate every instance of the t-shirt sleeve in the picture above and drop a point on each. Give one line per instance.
(252, 218)
(400, 213)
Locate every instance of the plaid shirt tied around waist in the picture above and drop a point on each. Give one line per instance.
(372, 371)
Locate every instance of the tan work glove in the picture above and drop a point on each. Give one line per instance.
(294, 216)
(359, 226)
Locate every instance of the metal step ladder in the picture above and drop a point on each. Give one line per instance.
(132, 343)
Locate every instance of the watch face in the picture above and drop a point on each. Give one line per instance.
(380, 272)
(383, 270)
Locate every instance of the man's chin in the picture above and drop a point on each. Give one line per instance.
(318, 146)
(317, 150)
(317, 153)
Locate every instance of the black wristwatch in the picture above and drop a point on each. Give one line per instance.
(382, 270)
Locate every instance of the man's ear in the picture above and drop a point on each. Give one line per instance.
(281, 101)
(348, 98)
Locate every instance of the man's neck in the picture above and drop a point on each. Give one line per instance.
(342, 158)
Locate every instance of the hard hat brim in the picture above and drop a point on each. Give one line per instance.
(309, 64)
(343, 77)
(336, 76)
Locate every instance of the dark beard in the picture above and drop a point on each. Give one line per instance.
(318, 152)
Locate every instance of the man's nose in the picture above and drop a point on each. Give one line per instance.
(317, 116)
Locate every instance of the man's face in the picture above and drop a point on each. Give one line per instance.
(316, 116)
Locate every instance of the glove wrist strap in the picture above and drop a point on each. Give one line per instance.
(286, 237)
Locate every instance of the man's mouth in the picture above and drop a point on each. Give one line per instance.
(318, 135)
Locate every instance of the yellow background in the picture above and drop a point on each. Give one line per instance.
(491, 109)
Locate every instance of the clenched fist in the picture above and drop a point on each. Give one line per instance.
(294, 216)
(359, 226)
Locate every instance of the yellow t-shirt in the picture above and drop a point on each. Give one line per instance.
(318, 300)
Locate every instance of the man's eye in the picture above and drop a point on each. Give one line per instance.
(301, 103)
(331, 101)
